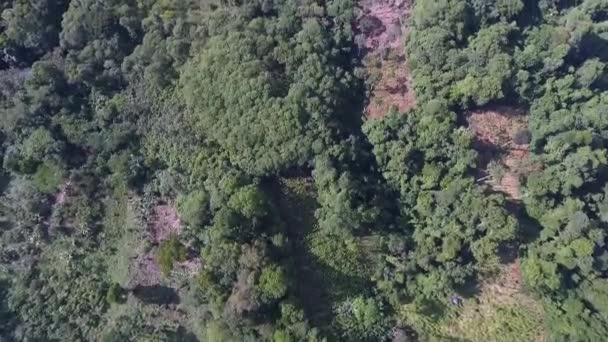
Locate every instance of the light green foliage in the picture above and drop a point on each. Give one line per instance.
(39, 144)
(362, 319)
(141, 322)
(341, 256)
(272, 283)
(78, 288)
(170, 252)
(249, 201)
(48, 177)
(218, 332)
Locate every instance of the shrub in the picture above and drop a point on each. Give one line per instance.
(193, 208)
(170, 251)
(115, 294)
(48, 177)
(272, 283)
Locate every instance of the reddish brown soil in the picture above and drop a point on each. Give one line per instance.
(63, 193)
(382, 28)
(494, 129)
(509, 280)
(165, 222)
(145, 271)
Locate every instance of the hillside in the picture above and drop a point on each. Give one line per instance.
(339, 170)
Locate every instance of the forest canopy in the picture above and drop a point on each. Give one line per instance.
(179, 170)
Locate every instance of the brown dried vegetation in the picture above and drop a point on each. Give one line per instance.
(502, 162)
(382, 27)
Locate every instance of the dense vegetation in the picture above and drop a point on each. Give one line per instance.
(202, 170)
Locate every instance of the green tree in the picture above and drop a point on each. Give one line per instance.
(194, 207)
(272, 283)
(48, 177)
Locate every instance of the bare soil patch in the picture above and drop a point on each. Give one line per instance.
(63, 193)
(382, 30)
(503, 150)
(165, 222)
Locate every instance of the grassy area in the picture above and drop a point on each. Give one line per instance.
(498, 313)
(327, 270)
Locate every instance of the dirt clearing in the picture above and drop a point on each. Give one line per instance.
(501, 138)
(164, 223)
(381, 32)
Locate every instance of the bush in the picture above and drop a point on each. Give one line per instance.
(193, 208)
(272, 283)
(250, 201)
(361, 319)
(115, 294)
(48, 177)
(170, 251)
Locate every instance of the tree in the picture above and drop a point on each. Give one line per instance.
(34, 24)
(272, 283)
(48, 177)
(193, 208)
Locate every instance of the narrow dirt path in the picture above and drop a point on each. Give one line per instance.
(382, 27)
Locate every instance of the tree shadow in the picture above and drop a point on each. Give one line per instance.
(156, 294)
(182, 335)
(469, 288)
(319, 287)
(592, 45)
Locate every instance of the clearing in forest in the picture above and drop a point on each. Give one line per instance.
(164, 223)
(381, 31)
(501, 138)
(501, 311)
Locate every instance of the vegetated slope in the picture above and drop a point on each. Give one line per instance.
(199, 170)
(139, 104)
(549, 57)
(501, 310)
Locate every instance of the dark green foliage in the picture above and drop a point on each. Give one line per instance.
(552, 59)
(455, 227)
(450, 60)
(271, 87)
(98, 36)
(7, 317)
(34, 24)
